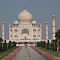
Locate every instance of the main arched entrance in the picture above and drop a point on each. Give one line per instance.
(25, 34)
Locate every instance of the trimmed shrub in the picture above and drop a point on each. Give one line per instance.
(55, 45)
(1, 40)
(51, 45)
(38, 43)
(9, 44)
(59, 45)
(4, 46)
(47, 44)
(14, 44)
(1, 49)
(1, 46)
(44, 44)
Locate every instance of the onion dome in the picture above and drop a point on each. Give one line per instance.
(25, 16)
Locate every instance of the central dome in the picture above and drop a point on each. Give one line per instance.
(25, 15)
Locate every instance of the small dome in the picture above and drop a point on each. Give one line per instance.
(46, 22)
(53, 15)
(3, 22)
(16, 22)
(25, 15)
(34, 22)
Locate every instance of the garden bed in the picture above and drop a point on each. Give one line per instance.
(48, 55)
(11, 55)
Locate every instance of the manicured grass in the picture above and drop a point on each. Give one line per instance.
(5, 53)
(56, 53)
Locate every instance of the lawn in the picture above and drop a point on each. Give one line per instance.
(5, 53)
(56, 53)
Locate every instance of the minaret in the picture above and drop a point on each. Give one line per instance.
(10, 32)
(3, 32)
(53, 27)
(46, 36)
(40, 31)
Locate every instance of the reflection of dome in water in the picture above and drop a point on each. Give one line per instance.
(25, 15)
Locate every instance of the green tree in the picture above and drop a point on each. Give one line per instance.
(14, 43)
(1, 47)
(9, 44)
(4, 46)
(47, 44)
(44, 44)
(57, 35)
(53, 45)
(1, 40)
(38, 43)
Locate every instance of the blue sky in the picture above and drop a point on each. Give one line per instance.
(42, 11)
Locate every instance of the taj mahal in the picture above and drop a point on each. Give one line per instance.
(26, 29)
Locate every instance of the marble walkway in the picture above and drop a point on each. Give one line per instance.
(28, 53)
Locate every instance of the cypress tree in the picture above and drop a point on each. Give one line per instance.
(41, 44)
(1, 45)
(59, 45)
(9, 45)
(47, 44)
(53, 45)
(44, 44)
(4, 46)
(14, 44)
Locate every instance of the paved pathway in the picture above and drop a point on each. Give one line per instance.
(27, 53)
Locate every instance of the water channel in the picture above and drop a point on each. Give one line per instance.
(28, 53)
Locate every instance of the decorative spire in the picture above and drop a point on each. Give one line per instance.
(3, 30)
(25, 7)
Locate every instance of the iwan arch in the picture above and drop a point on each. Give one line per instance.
(25, 29)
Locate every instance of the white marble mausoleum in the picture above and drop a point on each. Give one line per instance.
(25, 28)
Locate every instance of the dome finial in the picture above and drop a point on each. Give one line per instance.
(25, 7)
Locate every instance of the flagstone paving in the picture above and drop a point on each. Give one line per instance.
(28, 53)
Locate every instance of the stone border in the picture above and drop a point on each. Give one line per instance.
(12, 55)
(48, 55)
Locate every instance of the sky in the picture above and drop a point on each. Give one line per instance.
(41, 10)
